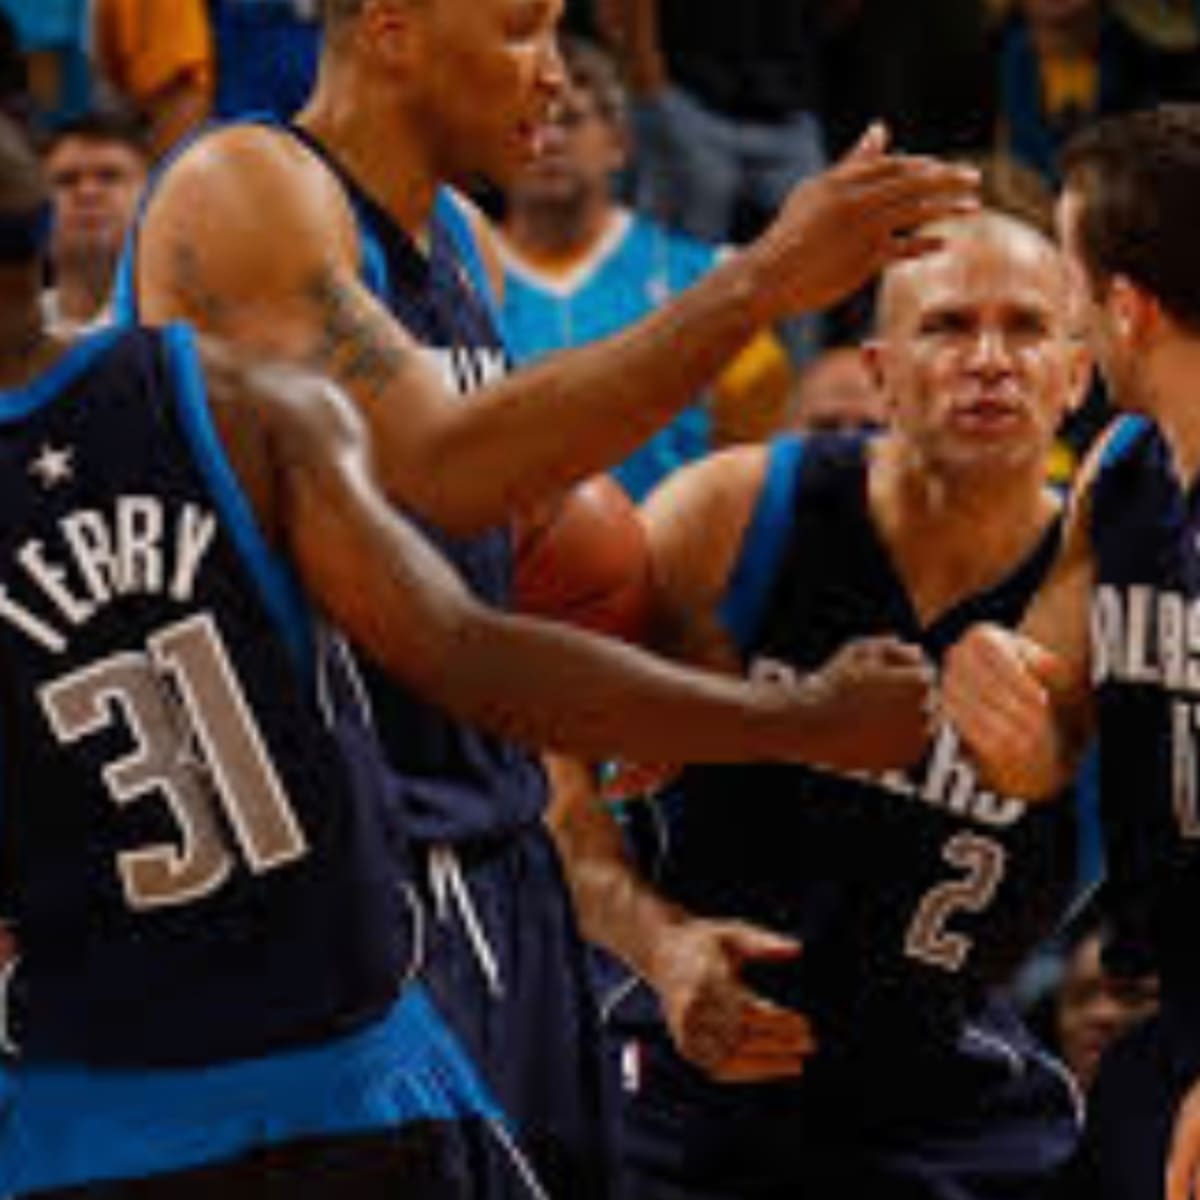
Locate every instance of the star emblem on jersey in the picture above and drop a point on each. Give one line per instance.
(53, 466)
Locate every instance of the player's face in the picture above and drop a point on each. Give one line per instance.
(580, 150)
(94, 187)
(976, 357)
(492, 74)
(1094, 1009)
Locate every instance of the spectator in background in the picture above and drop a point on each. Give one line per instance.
(53, 35)
(836, 393)
(15, 101)
(1062, 63)
(724, 104)
(96, 168)
(266, 54)
(577, 267)
(157, 55)
(1092, 1008)
(924, 66)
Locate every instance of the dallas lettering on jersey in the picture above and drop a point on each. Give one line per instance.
(1149, 637)
(947, 779)
(463, 369)
(143, 546)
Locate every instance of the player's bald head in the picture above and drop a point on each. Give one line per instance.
(996, 232)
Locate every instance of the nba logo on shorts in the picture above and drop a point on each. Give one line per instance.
(631, 1067)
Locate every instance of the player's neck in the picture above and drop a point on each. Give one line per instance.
(361, 128)
(1167, 390)
(556, 238)
(951, 535)
(83, 290)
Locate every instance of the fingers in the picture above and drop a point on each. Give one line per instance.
(748, 1039)
(1051, 669)
(871, 145)
(988, 684)
(891, 651)
(748, 943)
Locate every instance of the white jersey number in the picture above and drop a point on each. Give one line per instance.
(197, 747)
(984, 861)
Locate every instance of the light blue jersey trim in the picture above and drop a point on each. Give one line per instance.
(67, 1126)
(1125, 433)
(276, 583)
(17, 404)
(1089, 834)
(742, 607)
(454, 220)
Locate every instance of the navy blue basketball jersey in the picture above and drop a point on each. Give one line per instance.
(193, 814)
(1145, 627)
(457, 783)
(913, 892)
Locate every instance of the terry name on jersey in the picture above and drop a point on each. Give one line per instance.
(144, 545)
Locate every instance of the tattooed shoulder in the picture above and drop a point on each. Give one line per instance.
(356, 344)
(201, 304)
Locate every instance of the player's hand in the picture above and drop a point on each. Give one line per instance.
(870, 707)
(1183, 1162)
(839, 229)
(716, 1022)
(997, 689)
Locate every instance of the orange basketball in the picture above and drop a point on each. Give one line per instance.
(583, 559)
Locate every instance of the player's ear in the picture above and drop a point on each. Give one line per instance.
(1081, 371)
(387, 31)
(1137, 316)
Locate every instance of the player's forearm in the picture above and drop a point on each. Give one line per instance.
(579, 412)
(561, 689)
(618, 908)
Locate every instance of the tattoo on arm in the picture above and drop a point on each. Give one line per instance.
(353, 346)
(210, 311)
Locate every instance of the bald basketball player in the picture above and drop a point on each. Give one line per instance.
(884, 908)
(320, 243)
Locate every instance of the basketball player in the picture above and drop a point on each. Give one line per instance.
(198, 847)
(885, 908)
(318, 243)
(1108, 643)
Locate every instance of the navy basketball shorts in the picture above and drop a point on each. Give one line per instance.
(991, 1124)
(431, 1160)
(509, 972)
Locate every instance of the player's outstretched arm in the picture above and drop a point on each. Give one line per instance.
(1021, 700)
(542, 684)
(249, 238)
(694, 964)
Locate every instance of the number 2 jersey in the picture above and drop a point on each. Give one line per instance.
(913, 892)
(196, 852)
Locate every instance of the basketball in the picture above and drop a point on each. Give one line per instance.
(583, 559)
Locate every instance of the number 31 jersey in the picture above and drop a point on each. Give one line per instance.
(194, 847)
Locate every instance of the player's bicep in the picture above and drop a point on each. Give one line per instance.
(695, 523)
(370, 571)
